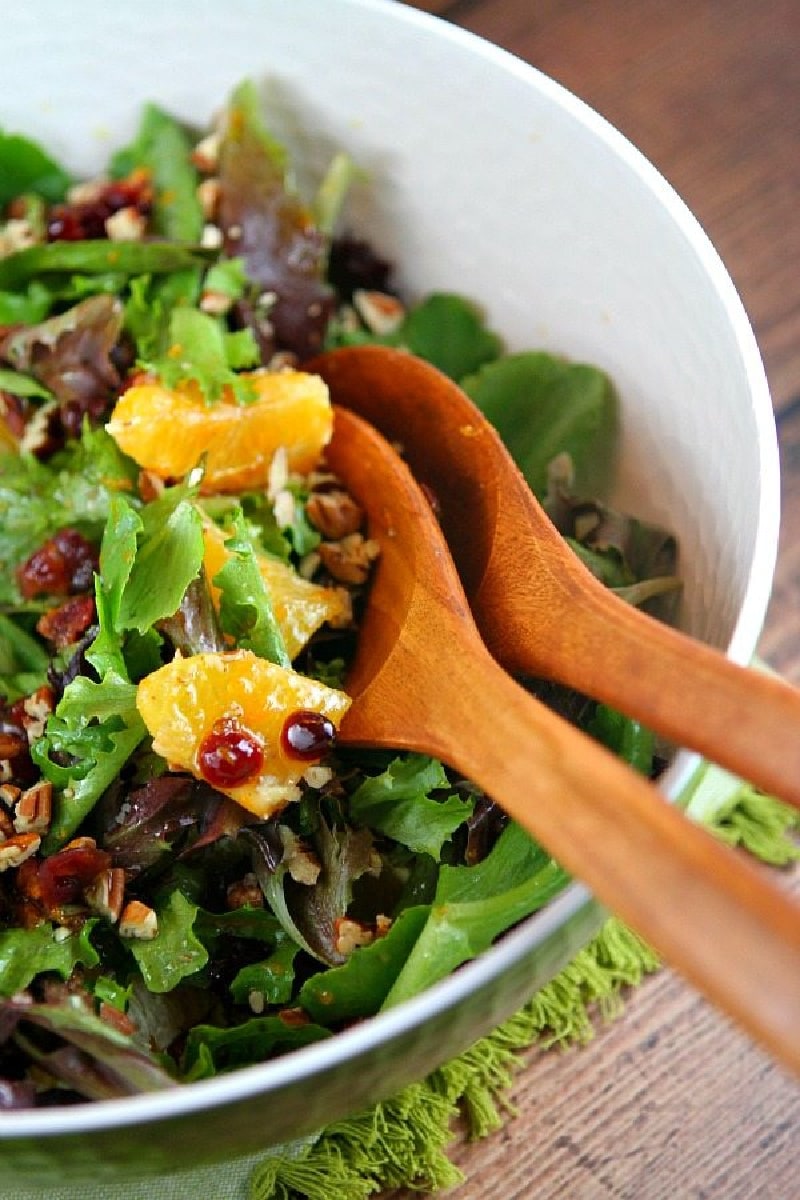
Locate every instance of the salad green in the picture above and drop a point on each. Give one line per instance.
(159, 922)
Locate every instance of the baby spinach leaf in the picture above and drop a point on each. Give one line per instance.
(449, 332)
(27, 167)
(398, 803)
(543, 406)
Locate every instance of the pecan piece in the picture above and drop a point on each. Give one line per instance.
(349, 560)
(138, 921)
(33, 808)
(335, 514)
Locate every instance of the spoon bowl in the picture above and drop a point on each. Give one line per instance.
(539, 609)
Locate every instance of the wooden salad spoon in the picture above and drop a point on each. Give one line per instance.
(423, 680)
(539, 609)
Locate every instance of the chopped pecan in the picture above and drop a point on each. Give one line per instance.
(349, 560)
(106, 893)
(245, 892)
(335, 514)
(351, 934)
(138, 921)
(380, 312)
(64, 625)
(15, 850)
(33, 808)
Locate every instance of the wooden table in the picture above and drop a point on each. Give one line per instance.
(669, 1101)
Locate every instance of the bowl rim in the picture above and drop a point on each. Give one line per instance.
(304, 1063)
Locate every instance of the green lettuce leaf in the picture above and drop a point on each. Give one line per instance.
(149, 306)
(543, 406)
(26, 953)
(201, 350)
(95, 258)
(211, 1049)
(473, 905)
(23, 660)
(163, 147)
(360, 987)
(398, 803)
(94, 729)
(27, 167)
(175, 952)
(37, 499)
(272, 979)
(169, 554)
(245, 610)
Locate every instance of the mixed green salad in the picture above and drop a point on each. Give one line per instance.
(193, 877)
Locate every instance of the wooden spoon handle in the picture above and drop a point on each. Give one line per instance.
(743, 719)
(712, 914)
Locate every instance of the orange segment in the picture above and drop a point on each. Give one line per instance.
(182, 702)
(300, 606)
(167, 431)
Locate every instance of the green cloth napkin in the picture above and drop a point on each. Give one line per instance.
(404, 1142)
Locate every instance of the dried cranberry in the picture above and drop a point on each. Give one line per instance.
(87, 218)
(62, 566)
(64, 876)
(307, 734)
(229, 755)
(64, 625)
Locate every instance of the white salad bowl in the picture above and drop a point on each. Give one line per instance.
(486, 178)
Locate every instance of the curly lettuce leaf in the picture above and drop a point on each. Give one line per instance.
(26, 953)
(176, 951)
(87, 740)
(398, 804)
(246, 610)
(201, 350)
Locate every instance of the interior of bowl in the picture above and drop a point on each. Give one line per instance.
(485, 178)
